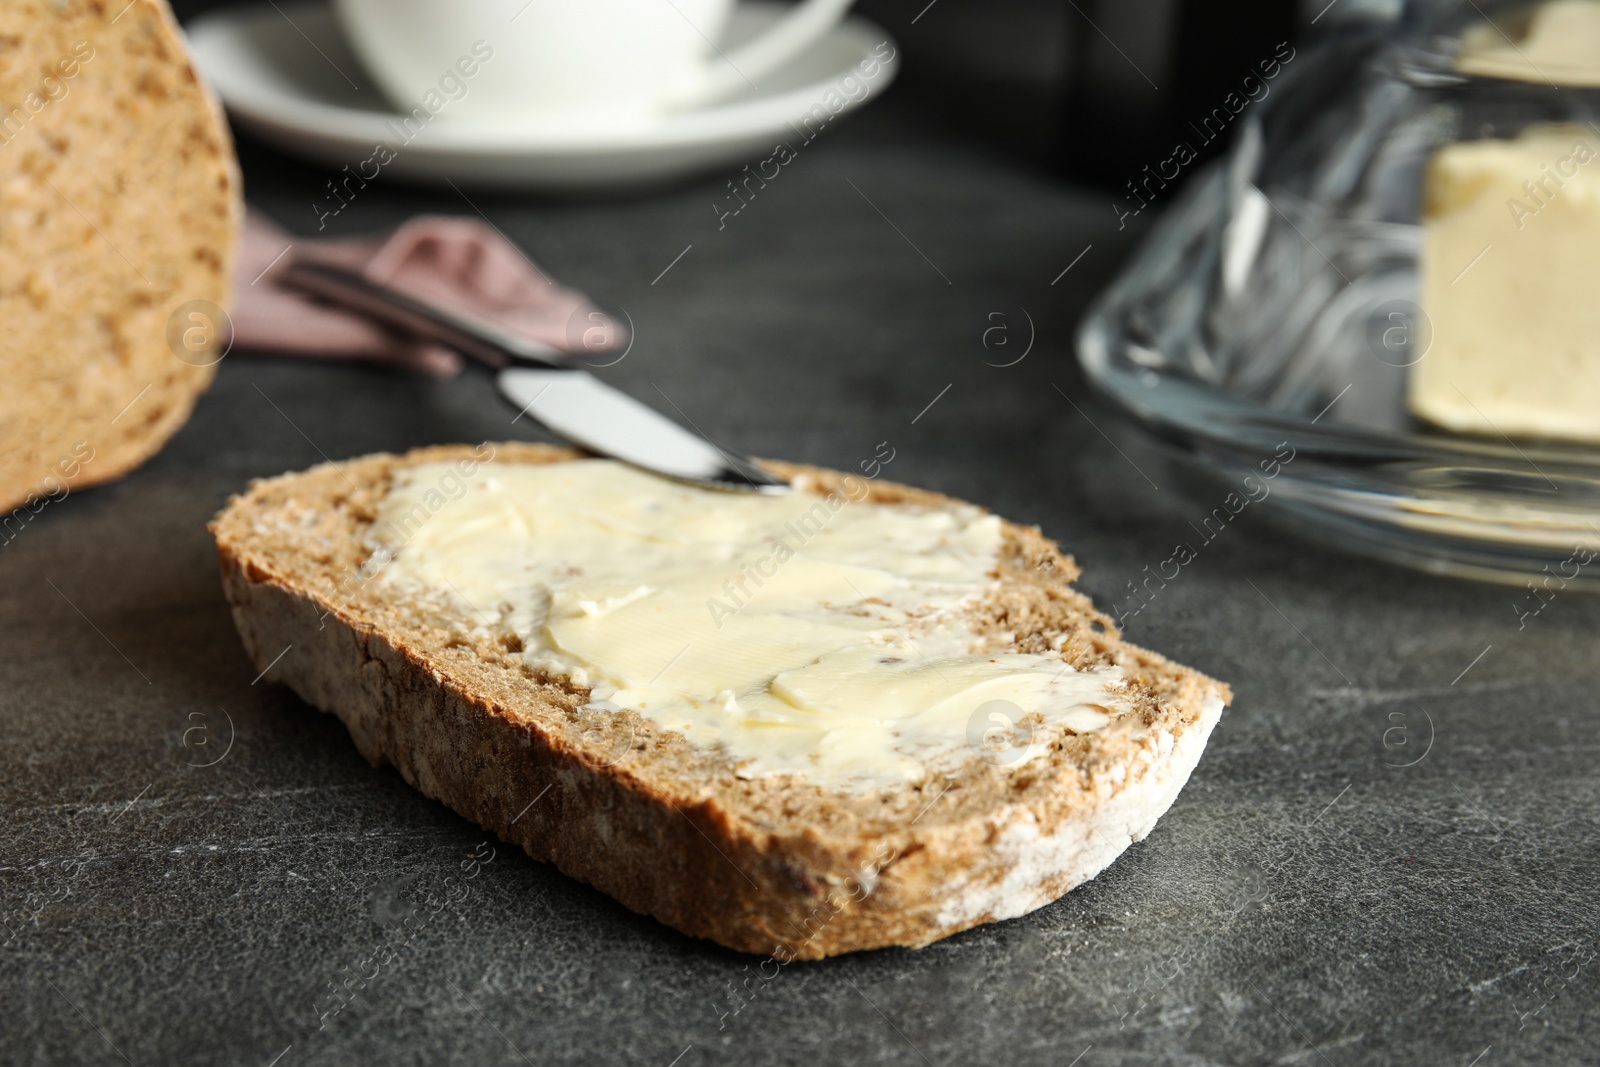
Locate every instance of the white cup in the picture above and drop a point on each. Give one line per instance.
(566, 63)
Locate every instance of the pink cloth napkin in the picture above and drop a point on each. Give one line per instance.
(454, 262)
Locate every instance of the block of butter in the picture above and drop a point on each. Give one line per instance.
(1510, 275)
(1553, 43)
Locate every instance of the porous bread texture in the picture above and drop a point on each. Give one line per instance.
(119, 202)
(773, 865)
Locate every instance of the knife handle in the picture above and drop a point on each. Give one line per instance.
(468, 334)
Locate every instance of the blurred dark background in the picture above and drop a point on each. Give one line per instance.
(1092, 90)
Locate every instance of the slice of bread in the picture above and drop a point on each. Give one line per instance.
(767, 865)
(119, 203)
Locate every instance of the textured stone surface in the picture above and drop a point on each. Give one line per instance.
(1307, 900)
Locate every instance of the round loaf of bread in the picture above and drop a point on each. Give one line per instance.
(119, 208)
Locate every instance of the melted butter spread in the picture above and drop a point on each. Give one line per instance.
(792, 632)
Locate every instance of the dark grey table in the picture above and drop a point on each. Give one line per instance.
(1388, 854)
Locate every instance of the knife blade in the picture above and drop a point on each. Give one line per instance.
(574, 404)
(562, 397)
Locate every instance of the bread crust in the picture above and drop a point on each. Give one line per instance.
(772, 866)
(120, 210)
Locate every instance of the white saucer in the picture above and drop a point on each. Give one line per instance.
(261, 62)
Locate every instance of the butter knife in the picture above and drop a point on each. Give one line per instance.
(542, 382)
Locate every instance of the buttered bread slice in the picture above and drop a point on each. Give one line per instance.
(802, 724)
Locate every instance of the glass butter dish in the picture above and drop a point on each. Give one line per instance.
(1319, 289)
